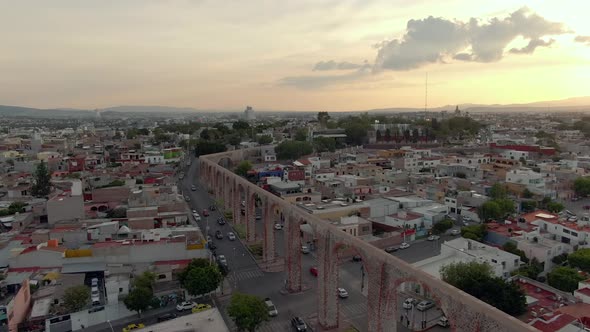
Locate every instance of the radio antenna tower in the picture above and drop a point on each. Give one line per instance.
(426, 93)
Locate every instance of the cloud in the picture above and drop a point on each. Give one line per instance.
(435, 39)
(583, 40)
(531, 46)
(333, 65)
(320, 81)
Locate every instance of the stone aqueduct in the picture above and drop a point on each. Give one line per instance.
(384, 272)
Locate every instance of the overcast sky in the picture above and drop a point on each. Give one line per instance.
(291, 54)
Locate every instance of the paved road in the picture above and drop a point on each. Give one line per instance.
(247, 277)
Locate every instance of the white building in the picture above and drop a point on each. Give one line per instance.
(541, 247)
(249, 114)
(532, 180)
(514, 154)
(466, 250)
(574, 233)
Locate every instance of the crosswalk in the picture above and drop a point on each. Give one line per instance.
(353, 310)
(241, 275)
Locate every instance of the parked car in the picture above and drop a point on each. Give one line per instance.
(433, 237)
(404, 245)
(231, 236)
(218, 234)
(206, 213)
(132, 327)
(211, 245)
(166, 317)
(455, 232)
(197, 217)
(342, 293)
(443, 321)
(466, 218)
(258, 217)
(314, 271)
(357, 258)
(408, 303)
(94, 282)
(305, 249)
(391, 249)
(185, 306)
(212, 208)
(221, 259)
(200, 307)
(94, 291)
(221, 221)
(272, 310)
(187, 199)
(193, 188)
(298, 324)
(278, 226)
(425, 305)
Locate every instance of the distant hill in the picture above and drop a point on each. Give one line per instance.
(37, 112)
(150, 109)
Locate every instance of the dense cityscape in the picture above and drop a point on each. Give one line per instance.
(111, 223)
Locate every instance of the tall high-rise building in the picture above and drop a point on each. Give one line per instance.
(249, 114)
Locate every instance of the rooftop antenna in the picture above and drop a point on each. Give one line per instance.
(426, 93)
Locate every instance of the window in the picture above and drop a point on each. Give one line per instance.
(161, 276)
(574, 234)
(494, 261)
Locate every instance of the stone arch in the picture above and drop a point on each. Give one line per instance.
(293, 242)
(226, 162)
(253, 201)
(272, 212)
(227, 193)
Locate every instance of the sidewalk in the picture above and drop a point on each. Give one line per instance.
(129, 319)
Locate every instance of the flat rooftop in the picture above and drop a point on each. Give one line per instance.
(208, 320)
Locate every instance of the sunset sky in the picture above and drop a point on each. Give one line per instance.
(333, 55)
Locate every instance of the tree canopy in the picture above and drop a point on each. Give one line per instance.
(301, 135)
(208, 147)
(247, 311)
(477, 280)
(138, 299)
(293, 149)
(76, 298)
(442, 226)
(323, 118)
(41, 181)
(580, 259)
(264, 139)
(243, 167)
(582, 186)
(200, 277)
(511, 247)
(324, 144)
(474, 232)
(564, 278)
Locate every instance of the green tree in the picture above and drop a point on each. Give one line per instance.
(323, 118)
(582, 186)
(247, 311)
(580, 259)
(356, 133)
(301, 135)
(564, 278)
(293, 149)
(264, 139)
(200, 277)
(76, 297)
(527, 193)
(474, 232)
(324, 144)
(531, 270)
(138, 299)
(205, 147)
(555, 207)
(528, 206)
(511, 247)
(145, 280)
(241, 125)
(498, 191)
(490, 210)
(41, 181)
(442, 226)
(477, 280)
(243, 167)
(234, 139)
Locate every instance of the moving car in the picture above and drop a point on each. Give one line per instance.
(258, 217)
(443, 321)
(131, 327)
(425, 305)
(206, 213)
(221, 221)
(221, 259)
(212, 208)
(211, 245)
(218, 234)
(391, 249)
(404, 245)
(408, 303)
(193, 188)
(342, 293)
(455, 232)
(196, 216)
(166, 317)
(357, 258)
(185, 306)
(94, 282)
(298, 324)
(305, 249)
(231, 236)
(314, 271)
(187, 199)
(272, 310)
(200, 307)
(433, 237)
(94, 291)
(278, 226)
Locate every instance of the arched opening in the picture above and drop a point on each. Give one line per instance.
(417, 307)
(226, 162)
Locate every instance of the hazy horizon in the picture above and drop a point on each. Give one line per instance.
(291, 55)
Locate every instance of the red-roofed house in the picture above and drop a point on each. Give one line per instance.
(583, 292)
(405, 219)
(554, 323)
